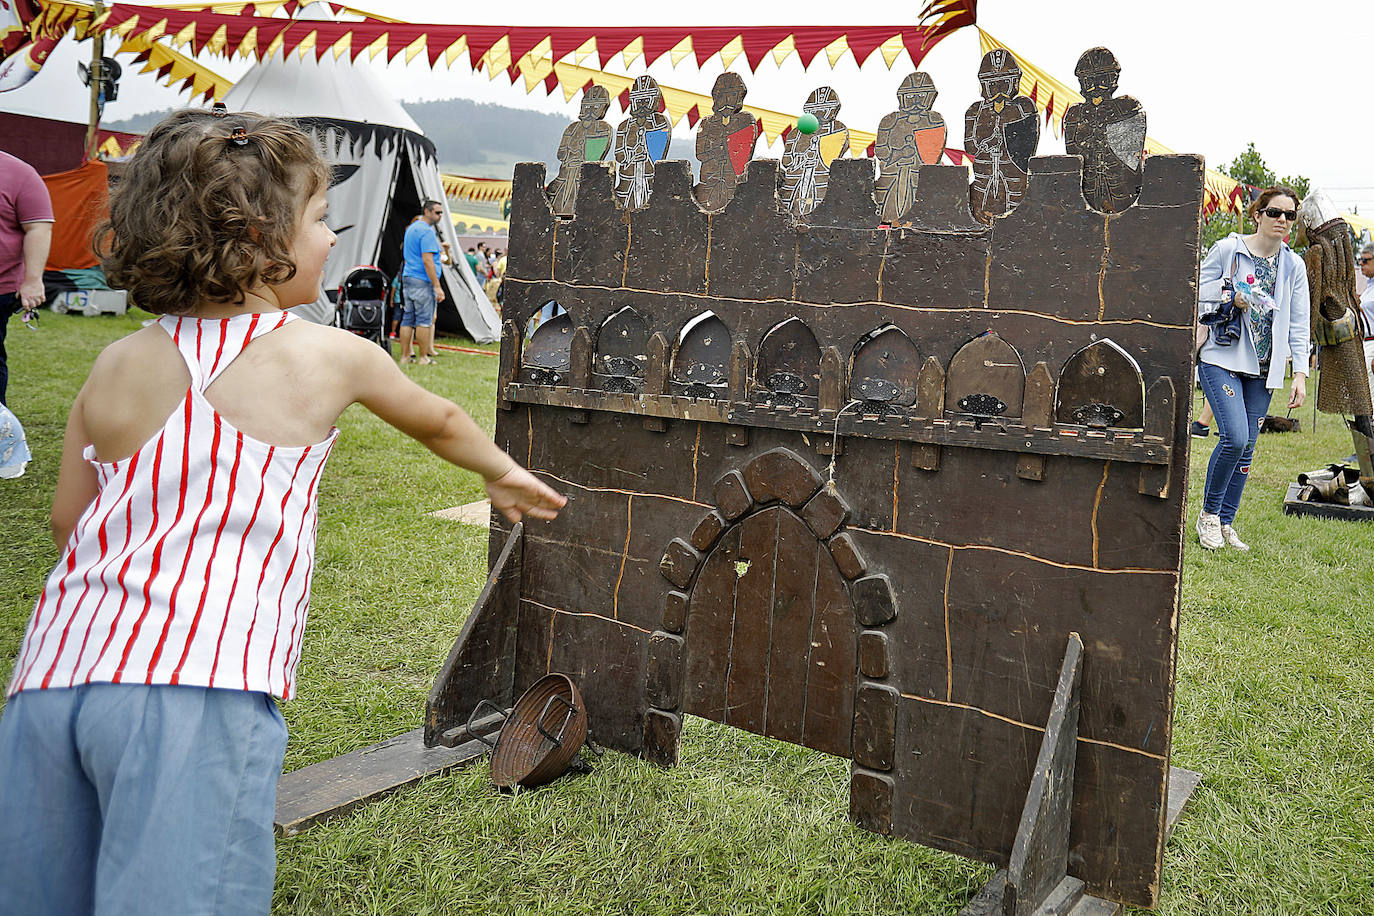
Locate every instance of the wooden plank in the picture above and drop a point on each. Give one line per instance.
(930, 403)
(793, 604)
(830, 669)
(481, 664)
(1040, 856)
(999, 435)
(1036, 410)
(315, 793)
(710, 622)
(746, 683)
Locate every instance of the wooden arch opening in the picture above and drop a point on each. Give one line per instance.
(1101, 386)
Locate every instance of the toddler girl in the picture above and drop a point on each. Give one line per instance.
(140, 747)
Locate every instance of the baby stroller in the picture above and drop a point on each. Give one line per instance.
(362, 304)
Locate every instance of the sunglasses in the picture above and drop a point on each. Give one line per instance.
(1275, 213)
(1366, 259)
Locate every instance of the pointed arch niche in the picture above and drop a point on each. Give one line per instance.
(883, 370)
(701, 359)
(787, 374)
(1101, 386)
(547, 354)
(774, 626)
(622, 352)
(986, 379)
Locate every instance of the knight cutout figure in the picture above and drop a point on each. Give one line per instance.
(1108, 131)
(1000, 133)
(588, 139)
(806, 158)
(640, 141)
(908, 138)
(725, 143)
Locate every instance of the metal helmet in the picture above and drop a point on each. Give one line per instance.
(595, 101)
(916, 84)
(729, 86)
(1096, 60)
(823, 103)
(998, 63)
(645, 87)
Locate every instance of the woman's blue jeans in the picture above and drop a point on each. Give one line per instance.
(1239, 404)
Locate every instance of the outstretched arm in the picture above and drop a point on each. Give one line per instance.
(445, 429)
(76, 482)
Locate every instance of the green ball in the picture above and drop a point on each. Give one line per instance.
(808, 124)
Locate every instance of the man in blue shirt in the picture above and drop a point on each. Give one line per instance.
(420, 285)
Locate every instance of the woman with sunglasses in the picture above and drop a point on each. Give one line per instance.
(1366, 260)
(1241, 362)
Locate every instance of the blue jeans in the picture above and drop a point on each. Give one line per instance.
(119, 798)
(9, 304)
(419, 303)
(1239, 404)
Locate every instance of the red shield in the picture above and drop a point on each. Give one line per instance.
(930, 144)
(741, 146)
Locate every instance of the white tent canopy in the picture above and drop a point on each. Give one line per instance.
(384, 168)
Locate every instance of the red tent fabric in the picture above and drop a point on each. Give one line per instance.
(80, 200)
(47, 145)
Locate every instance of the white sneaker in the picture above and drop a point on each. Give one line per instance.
(1209, 531)
(1228, 534)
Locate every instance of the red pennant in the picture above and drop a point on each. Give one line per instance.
(1049, 108)
(758, 42)
(872, 149)
(551, 82)
(1034, 86)
(693, 116)
(624, 99)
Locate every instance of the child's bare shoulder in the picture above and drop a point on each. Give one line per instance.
(146, 358)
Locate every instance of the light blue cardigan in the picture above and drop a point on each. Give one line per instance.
(1292, 335)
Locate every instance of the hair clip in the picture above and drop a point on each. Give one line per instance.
(219, 109)
(239, 136)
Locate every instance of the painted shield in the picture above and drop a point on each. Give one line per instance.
(1022, 137)
(595, 148)
(741, 146)
(657, 141)
(930, 144)
(1126, 139)
(832, 145)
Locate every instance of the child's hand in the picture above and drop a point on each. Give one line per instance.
(518, 492)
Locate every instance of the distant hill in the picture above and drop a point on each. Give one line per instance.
(475, 139)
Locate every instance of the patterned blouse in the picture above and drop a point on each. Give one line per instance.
(1262, 312)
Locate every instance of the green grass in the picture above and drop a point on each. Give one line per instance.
(1275, 696)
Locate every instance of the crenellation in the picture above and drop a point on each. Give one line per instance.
(530, 255)
(667, 250)
(590, 247)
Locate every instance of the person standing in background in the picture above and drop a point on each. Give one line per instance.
(25, 237)
(420, 283)
(1366, 261)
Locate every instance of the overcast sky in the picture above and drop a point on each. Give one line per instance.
(1211, 76)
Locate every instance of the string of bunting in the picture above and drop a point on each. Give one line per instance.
(207, 30)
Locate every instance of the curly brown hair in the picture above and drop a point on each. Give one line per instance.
(199, 218)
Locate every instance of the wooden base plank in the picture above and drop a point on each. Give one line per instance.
(307, 796)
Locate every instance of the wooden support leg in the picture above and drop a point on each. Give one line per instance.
(1036, 880)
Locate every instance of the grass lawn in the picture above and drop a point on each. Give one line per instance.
(1275, 700)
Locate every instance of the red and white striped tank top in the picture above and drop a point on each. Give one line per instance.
(192, 565)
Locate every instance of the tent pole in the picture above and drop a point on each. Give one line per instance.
(97, 52)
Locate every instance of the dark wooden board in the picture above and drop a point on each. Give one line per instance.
(315, 793)
(999, 532)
